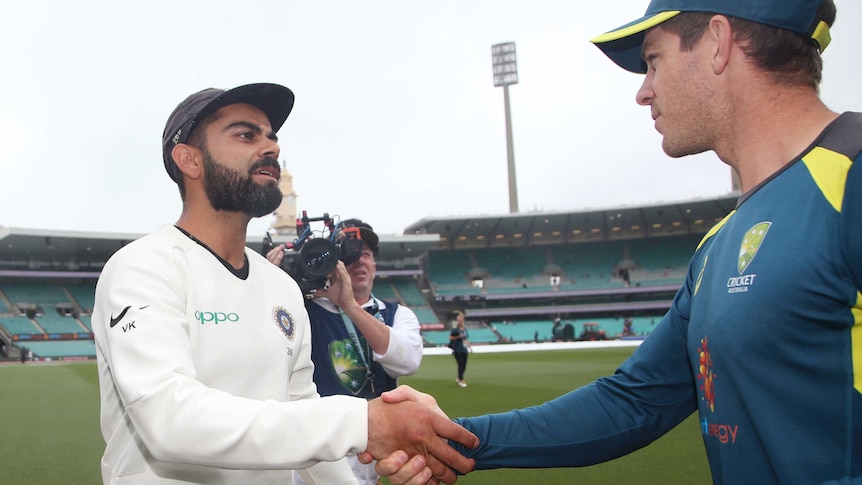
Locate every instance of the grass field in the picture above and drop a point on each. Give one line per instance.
(50, 418)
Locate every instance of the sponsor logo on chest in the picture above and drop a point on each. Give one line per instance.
(216, 317)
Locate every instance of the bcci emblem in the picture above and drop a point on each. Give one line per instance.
(285, 322)
(751, 244)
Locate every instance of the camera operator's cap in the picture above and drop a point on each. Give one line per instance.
(365, 231)
(274, 100)
(623, 44)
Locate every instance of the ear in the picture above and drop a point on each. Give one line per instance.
(188, 159)
(720, 36)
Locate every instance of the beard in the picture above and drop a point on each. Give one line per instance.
(229, 190)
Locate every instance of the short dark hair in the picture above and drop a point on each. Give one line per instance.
(198, 139)
(789, 58)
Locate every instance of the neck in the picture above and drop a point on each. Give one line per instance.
(769, 130)
(223, 232)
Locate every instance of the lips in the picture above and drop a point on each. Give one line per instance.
(267, 171)
(271, 172)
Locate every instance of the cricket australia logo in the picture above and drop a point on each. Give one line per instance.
(751, 244)
(348, 366)
(285, 322)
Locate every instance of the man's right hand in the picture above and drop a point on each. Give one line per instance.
(413, 422)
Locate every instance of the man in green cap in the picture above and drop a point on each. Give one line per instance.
(764, 339)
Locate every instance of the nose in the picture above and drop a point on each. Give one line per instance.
(269, 147)
(645, 94)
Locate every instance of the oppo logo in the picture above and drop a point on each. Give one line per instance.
(216, 317)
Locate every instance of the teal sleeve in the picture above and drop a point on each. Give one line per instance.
(650, 393)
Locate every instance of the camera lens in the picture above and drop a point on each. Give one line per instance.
(318, 257)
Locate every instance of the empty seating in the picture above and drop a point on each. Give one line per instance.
(383, 290)
(424, 314)
(44, 295)
(54, 323)
(525, 330)
(481, 336)
(62, 348)
(436, 337)
(19, 326)
(84, 294)
(409, 291)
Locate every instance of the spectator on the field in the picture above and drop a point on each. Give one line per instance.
(460, 344)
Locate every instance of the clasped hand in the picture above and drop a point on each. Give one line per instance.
(405, 423)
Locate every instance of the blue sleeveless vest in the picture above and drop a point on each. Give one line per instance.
(339, 368)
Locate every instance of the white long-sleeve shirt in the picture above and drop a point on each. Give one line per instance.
(206, 377)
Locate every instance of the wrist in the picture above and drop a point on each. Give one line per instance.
(352, 309)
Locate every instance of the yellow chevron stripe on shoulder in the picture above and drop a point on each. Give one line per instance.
(829, 170)
(856, 343)
(715, 229)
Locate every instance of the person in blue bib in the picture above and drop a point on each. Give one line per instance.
(360, 344)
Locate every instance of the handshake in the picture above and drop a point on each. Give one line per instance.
(408, 434)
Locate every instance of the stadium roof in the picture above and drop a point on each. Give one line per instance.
(626, 222)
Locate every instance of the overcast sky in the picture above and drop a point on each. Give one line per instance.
(396, 116)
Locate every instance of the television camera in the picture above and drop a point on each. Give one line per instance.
(309, 260)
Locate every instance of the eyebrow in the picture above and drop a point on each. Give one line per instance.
(644, 47)
(253, 127)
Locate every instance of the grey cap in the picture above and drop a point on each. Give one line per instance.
(274, 100)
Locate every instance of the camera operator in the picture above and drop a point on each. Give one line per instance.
(360, 344)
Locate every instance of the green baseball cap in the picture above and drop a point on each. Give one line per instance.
(623, 44)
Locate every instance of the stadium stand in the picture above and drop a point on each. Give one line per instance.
(511, 274)
(525, 330)
(436, 338)
(20, 326)
(385, 291)
(409, 293)
(60, 324)
(43, 294)
(84, 295)
(62, 349)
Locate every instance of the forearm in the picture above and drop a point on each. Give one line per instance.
(404, 354)
(570, 431)
(648, 395)
(232, 432)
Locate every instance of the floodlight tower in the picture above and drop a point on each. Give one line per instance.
(504, 62)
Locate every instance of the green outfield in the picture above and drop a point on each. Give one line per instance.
(50, 420)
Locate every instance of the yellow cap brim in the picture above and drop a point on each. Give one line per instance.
(623, 44)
